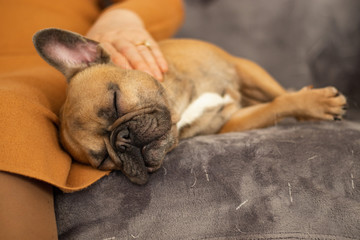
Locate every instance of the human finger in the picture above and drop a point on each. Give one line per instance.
(133, 56)
(159, 57)
(116, 57)
(147, 55)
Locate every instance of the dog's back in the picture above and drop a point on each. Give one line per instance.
(203, 83)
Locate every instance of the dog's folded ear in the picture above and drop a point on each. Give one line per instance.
(67, 51)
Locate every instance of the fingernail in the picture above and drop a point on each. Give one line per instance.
(164, 68)
(128, 67)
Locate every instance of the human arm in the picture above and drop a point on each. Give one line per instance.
(123, 28)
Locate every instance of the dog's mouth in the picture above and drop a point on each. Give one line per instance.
(138, 143)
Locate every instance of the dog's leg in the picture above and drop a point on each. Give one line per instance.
(257, 85)
(321, 104)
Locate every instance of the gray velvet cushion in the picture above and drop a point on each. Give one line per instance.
(294, 181)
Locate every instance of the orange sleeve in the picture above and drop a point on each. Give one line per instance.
(32, 92)
(162, 18)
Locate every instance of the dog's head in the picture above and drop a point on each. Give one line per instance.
(112, 118)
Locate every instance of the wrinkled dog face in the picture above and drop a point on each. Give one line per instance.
(116, 120)
(112, 119)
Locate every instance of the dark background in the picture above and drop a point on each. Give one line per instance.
(300, 42)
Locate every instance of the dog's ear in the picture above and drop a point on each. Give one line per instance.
(67, 51)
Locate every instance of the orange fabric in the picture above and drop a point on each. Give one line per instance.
(159, 25)
(32, 92)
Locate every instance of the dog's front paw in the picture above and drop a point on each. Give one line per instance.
(321, 104)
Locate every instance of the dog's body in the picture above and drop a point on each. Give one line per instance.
(116, 119)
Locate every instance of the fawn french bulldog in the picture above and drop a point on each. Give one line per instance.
(117, 119)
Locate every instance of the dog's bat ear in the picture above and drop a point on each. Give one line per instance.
(67, 51)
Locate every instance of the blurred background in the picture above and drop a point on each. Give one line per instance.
(299, 42)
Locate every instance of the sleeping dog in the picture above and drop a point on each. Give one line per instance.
(117, 119)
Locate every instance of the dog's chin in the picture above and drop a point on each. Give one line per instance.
(135, 176)
(136, 162)
(152, 159)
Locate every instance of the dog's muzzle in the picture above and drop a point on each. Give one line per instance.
(138, 142)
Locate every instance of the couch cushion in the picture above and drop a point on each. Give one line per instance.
(291, 181)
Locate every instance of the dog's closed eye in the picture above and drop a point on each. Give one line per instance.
(116, 104)
(111, 111)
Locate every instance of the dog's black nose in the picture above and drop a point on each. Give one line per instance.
(123, 134)
(120, 139)
(121, 147)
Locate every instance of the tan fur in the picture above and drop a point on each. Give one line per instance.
(272, 101)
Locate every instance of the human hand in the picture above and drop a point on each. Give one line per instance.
(122, 34)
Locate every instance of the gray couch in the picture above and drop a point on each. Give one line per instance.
(290, 181)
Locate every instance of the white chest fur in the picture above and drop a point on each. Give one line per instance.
(207, 102)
